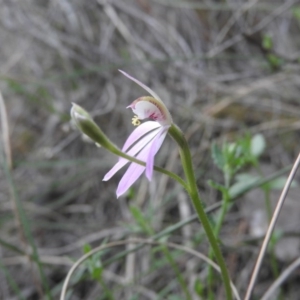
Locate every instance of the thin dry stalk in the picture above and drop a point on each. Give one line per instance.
(283, 276)
(236, 16)
(8, 159)
(9, 163)
(262, 24)
(271, 228)
(5, 132)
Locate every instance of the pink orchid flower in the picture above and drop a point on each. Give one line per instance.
(145, 141)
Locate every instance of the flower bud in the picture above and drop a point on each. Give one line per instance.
(86, 125)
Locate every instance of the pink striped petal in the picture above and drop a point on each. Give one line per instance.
(139, 132)
(155, 146)
(133, 172)
(132, 152)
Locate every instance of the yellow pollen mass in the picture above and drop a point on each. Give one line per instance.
(136, 121)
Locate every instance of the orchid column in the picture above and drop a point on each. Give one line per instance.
(140, 149)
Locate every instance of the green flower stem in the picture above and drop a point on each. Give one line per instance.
(107, 291)
(220, 219)
(217, 228)
(146, 227)
(175, 268)
(268, 206)
(186, 159)
(86, 124)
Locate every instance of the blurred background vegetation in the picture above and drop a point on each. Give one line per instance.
(227, 70)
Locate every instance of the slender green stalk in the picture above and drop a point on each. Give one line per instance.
(273, 260)
(217, 229)
(26, 230)
(268, 206)
(179, 276)
(186, 159)
(11, 282)
(268, 203)
(11, 247)
(108, 292)
(150, 231)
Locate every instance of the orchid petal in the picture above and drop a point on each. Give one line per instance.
(155, 146)
(139, 132)
(133, 151)
(150, 91)
(133, 172)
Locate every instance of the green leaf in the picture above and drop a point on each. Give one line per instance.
(198, 287)
(131, 193)
(174, 297)
(97, 273)
(140, 219)
(11, 280)
(296, 12)
(274, 60)
(267, 42)
(243, 182)
(217, 156)
(278, 183)
(86, 248)
(217, 186)
(258, 145)
(246, 177)
(275, 237)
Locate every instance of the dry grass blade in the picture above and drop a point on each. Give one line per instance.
(5, 132)
(237, 15)
(8, 162)
(271, 228)
(20, 219)
(262, 24)
(283, 277)
(139, 241)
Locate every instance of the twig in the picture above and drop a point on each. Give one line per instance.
(236, 16)
(239, 37)
(270, 228)
(284, 275)
(16, 205)
(8, 162)
(5, 132)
